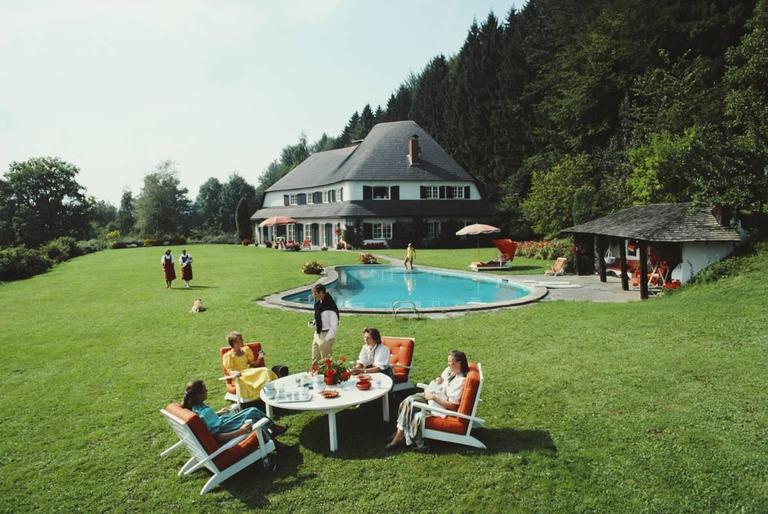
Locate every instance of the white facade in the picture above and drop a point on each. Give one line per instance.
(353, 190)
(699, 255)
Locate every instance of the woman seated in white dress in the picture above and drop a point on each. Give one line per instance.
(374, 355)
(445, 391)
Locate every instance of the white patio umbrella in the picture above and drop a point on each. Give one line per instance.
(475, 230)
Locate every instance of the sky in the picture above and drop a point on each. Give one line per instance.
(218, 87)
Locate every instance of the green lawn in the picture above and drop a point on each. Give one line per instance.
(460, 259)
(657, 406)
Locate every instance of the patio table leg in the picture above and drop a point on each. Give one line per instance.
(270, 412)
(332, 431)
(385, 406)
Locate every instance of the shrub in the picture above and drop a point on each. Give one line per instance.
(127, 244)
(324, 249)
(113, 236)
(91, 246)
(60, 249)
(216, 239)
(367, 258)
(312, 268)
(246, 242)
(268, 244)
(21, 262)
(547, 249)
(374, 245)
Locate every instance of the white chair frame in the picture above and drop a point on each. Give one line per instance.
(237, 397)
(474, 421)
(200, 458)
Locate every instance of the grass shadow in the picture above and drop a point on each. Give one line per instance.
(362, 434)
(254, 485)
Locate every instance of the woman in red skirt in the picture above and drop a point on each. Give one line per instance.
(185, 261)
(166, 261)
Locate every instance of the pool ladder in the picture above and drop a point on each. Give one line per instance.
(403, 306)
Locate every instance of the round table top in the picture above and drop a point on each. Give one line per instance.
(349, 395)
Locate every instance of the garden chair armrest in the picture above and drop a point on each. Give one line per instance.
(440, 410)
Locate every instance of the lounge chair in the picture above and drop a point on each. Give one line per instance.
(456, 426)
(223, 460)
(506, 248)
(558, 268)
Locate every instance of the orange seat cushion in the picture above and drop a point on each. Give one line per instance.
(469, 395)
(255, 348)
(400, 353)
(209, 443)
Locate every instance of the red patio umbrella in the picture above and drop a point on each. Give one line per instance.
(277, 220)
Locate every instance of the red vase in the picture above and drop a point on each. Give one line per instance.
(329, 381)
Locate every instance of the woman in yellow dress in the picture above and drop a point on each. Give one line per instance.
(242, 360)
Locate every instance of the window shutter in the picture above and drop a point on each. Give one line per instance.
(301, 199)
(367, 193)
(286, 200)
(442, 192)
(466, 192)
(367, 231)
(341, 194)
(423, 192)
(317, 197)
(394, 193)
(450, 192)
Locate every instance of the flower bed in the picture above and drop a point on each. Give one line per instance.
(367, 258)
(547, 249)
(312, 268)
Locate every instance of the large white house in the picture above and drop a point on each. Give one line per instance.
(380, 188)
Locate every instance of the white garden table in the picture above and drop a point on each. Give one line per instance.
(349, 396)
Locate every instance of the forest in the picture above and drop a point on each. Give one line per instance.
(567, 110)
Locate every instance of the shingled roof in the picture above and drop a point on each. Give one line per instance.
(661, 222)
(378, 208)
(381, 156)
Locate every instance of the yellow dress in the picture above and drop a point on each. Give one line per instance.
(251, 379)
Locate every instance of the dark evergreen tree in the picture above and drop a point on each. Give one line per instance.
(126, 215)
(244, 226)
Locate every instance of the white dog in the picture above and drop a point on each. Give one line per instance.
(197, 305)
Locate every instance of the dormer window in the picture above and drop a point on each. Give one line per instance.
(381, 192)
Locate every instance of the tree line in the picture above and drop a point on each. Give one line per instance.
(41, 200)
(570, 109)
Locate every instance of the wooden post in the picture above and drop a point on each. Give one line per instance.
(623, 257)
(643, 249)
(577, 239)
(601, 258)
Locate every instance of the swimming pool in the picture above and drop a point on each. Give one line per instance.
(368, 288)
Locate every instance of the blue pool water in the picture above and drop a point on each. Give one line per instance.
(377, 287)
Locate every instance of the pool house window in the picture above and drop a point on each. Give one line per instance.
(433, 229)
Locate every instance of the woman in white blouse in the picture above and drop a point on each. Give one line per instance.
(374, 355)
(445, 391)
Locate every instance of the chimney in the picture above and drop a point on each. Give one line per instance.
(723, 214)
(413, 150)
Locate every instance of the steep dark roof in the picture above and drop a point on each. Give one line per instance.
(381, 156)
(661, 222)
(378, 208)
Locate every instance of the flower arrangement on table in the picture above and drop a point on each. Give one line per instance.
(333, 372)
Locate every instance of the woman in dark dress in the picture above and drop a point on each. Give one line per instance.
(166, 261)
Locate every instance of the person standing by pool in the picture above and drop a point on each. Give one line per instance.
(166, 261)
(185, 262)
(410, 254)
(326, 323)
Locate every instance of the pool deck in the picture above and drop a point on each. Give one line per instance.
(584, 288)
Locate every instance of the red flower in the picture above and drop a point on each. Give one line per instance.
(344, 375)
(330, 373)
(327, 363)
(314, 367)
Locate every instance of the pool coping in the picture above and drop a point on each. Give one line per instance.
(331, 276)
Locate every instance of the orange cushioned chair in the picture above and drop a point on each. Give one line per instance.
(223, 460)
(457, 425)
(400, 358)
(233, 385)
